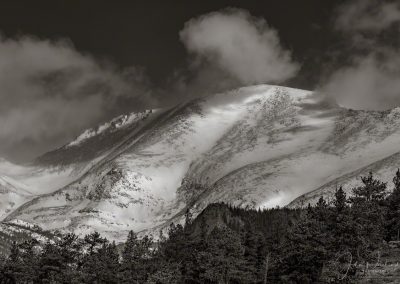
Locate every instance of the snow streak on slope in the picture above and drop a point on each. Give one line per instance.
(146, 183)
(12, 194)
(56, 169)
(96, 142)
(377, 133)
(112, 126)
(257, 146)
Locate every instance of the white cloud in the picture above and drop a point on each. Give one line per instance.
(50, 92)
(367, 15)
(371, 80)
(240, 44)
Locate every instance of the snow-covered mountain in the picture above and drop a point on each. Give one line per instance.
(258, 146)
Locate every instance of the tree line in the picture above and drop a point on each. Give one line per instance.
(224, 244)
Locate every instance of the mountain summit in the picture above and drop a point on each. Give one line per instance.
(253, 147)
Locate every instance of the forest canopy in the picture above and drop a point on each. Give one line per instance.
(324, 243)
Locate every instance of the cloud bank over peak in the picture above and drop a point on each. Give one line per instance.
(49, 92)
(240, 44)
(371, 80)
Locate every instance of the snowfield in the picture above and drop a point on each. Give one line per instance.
(258, 146)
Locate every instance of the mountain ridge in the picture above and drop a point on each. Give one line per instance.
(252, 147)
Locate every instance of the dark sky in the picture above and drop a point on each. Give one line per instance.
(145, 33)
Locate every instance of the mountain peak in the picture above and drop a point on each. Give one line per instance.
(252, 147)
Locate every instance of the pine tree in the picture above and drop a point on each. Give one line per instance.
(29, 265)
(392, 223)
(371, 190)
(135, 259)
(345, 238)
(166, 270)
(368, 210)
(167, 273)
(340, 200)
(60, 259)
(223, 259)
(129, 247)
(254, 254)
(129, 261)
(11, 271)
(108, 264)
(303, 254)
(92, 244)
(173, 248)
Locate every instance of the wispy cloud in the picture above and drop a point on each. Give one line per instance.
(367, 16)
(371, 80)
(49, 92)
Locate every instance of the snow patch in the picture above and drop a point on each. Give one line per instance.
(113, 125)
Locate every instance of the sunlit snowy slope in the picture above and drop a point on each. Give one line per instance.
(257, 146)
